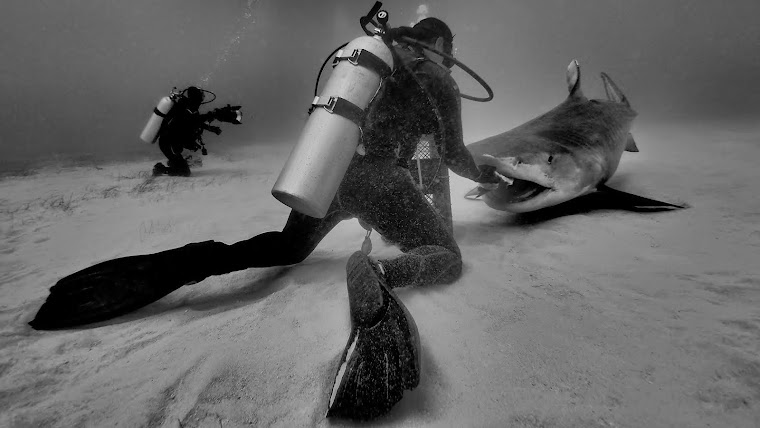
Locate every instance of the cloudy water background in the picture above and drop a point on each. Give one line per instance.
(79, 78)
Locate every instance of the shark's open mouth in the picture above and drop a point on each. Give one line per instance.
(519, 191)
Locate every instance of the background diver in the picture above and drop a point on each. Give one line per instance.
(382, 356)
(183, 126)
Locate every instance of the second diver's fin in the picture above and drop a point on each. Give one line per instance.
(382, 357)
(636, 203)
(119, 286)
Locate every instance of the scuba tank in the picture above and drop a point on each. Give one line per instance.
(315, 168)
(312, 174)
(150, 132)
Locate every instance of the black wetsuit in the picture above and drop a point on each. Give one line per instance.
(182, 131)
(379, 190)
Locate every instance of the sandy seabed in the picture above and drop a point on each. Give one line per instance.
(582, 316)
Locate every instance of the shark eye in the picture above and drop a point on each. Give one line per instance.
(551, 158)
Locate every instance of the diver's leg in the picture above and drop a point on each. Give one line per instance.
(431, 255)
(400, 212)
(178, 165)
(292, 245)
(382, 356)
(166, 148)
(116, 287)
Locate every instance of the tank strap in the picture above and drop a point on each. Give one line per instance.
(158, 112)
(341, 107)
(365, 59)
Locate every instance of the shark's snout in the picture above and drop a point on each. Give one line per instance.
(527, 167)
(562, 154)
(534, 180)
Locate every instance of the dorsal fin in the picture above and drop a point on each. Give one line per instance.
(574, 79)
(630, 145)
(613, 92)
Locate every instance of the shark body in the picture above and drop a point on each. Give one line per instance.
(569, 151)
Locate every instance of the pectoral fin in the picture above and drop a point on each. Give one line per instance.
(636, 203)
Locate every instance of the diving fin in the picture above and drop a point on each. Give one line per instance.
(635, 202)
(382, 357)
(119, 286)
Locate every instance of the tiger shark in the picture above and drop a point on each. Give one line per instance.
(567, 152)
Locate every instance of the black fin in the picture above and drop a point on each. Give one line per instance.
(635, 202)
(119, 286)
(630, 144)
(381, 358)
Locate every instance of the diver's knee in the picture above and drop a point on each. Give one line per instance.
(450, 271)
(453, 272)
(294, 249)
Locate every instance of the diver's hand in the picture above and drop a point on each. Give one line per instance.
(215, 129)
(488, 175)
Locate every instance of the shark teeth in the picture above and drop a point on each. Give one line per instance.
(521, 191)
(509, 181)
(510, 168)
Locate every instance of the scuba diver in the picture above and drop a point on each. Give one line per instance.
(182, 128)
(382, 356)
